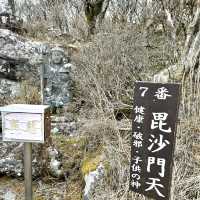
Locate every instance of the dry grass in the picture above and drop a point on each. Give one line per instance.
(186, 179)
(29, 94)
(106, 70)
(111, 62)
(108, 67)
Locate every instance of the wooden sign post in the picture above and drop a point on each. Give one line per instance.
(28, 170)
(155, 114)
(28, 124)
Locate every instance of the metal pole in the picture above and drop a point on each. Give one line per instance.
(42, 82)
(28, 170)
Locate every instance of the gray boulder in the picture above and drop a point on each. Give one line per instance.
(20, 59)
(9, 195)
(91, 181)
(65, 124)
(5, 7)
(55, 166)
(8, 19)
(11, 159)
(44, 160)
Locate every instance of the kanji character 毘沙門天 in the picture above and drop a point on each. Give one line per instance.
(160, 162)
(158, 122)
(159, 143)
(154, 185)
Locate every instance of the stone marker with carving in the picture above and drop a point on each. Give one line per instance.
(57, 79)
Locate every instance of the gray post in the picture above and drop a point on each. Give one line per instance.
(42, 82)
(28, 170)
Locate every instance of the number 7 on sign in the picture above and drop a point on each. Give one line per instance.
(144, 90)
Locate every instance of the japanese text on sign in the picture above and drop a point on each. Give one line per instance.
(153, 139)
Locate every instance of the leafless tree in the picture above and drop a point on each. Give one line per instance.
(185, 16)
(94, 9)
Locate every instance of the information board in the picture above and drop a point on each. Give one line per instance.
(155, 114)
(25, 123)
(23, 126)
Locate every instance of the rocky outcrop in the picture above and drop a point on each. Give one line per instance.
(11, 160)
(65, 124)
(20, 59)
(8, 195)
(91, 180)
(19, 54)
(55, 166)
(44, 160)
(5, 7)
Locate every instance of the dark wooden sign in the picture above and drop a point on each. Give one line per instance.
(155, 114)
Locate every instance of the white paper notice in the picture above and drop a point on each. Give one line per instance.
(23, 126)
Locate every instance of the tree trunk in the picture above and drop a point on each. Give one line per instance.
(190, 54)
(92, 10)
(12, 5)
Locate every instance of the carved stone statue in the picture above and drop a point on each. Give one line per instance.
(57, 79)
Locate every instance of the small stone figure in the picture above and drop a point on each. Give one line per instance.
(57, 79)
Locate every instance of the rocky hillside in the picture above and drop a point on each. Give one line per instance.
(90, 65)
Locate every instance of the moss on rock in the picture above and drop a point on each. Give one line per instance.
(72, 150)
(90, 164)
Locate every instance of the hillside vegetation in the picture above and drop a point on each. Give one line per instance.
(112, 48)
